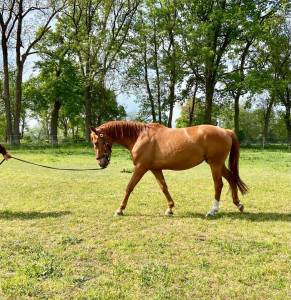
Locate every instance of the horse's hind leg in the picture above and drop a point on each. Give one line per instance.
(216, 170)
(136, 177)
(163, 185)
(234, 191)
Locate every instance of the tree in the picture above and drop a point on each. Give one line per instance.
(62, 77)
(57, 85)
(188, 116)
(13, 15)
(245, 49)
(105, 106)
(7, 25)
(280, 60)
(97, 31)
(211, 27)
(155, 59)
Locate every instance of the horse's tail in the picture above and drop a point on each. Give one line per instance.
(233, 164)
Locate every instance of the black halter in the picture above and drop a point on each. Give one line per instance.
(107, 152)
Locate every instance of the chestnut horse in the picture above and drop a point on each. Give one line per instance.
(154, 148)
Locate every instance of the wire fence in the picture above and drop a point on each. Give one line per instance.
(51, 142)
(260, 142)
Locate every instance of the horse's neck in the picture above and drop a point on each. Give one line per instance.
(128, 143)
(124, 133)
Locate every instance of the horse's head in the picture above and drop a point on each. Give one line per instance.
(102, 147)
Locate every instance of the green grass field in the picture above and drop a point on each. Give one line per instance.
(59, 239)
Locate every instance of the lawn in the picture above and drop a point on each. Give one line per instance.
(60, 240)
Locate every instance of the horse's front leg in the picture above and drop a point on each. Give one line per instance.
(136, 177)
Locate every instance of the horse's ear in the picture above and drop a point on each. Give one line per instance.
(93, 129)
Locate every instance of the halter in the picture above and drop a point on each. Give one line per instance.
(107, 152)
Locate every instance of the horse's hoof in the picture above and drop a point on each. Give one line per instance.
(241, 207)
(169, 213)
(211, 213)
(118, 213)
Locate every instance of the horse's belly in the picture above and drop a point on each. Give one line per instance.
(180, 160)
(183, 165)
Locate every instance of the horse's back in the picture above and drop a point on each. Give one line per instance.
(181, 148)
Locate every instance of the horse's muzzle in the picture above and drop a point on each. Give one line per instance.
(103, 162)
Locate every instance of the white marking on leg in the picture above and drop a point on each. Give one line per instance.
(214, 209)
(169, 212)
(240, 207)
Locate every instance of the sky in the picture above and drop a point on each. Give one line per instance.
(132, 108)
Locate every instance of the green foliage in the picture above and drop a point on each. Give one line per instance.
(105, 106)
(159, 52)
(155, 59)
(183, 120)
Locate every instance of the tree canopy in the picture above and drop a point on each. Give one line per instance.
(225, 63)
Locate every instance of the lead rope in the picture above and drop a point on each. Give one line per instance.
(53, 168)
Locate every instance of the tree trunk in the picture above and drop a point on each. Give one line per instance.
(289, 134)
(239, 90)
(173, 76)
(288, 127)
(54, 123)
(209, 86)
(191, 113)
(172, 96)
(287, 118)
(18, 98)
(19, 75)
(236, 111)
(22, 126)
(217, 43)
(88, 111)
(6, 92)
(158, 80)
(65, 124)
(150, 96)
(170, 118)
(267, 117)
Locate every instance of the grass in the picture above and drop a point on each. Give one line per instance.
(59, 239)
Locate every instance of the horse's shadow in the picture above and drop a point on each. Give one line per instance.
(30, 215)
(250, 216)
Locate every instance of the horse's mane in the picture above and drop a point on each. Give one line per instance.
(127, 129)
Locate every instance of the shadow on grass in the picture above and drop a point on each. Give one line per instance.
(251, 216)
(30, 215)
